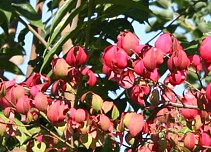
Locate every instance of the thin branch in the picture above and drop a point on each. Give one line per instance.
(179, 105)
(59, 138)
(88, 23)
(35, 33)
(165, 27)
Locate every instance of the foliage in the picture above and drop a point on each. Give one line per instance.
(64, 104)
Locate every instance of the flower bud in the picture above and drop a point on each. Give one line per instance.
(23, 105)
(189, 141)
(205, 49)
(164, 43)
(60, 68)
(76, 56)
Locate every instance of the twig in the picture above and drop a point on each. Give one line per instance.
(164, 27)
(88, 23)
(179, 105)
(35, 33)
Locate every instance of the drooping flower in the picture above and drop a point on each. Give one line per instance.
(92, 78)
(115, 58)
(176, 78)
(56, 112)
(128, 42)
(205, 49)
(23, 105)
(164, 43)
(178, 61)
(127, 79)
(152, 58)
(76, 56)
(189, 141)
(41, 101)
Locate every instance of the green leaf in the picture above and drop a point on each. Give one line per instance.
(115, 113)
(97, 102)
(6, 9)
(27, 11)
(60, 14)
(86, 140)
(64, 22)
(39, 146)
(9, 66)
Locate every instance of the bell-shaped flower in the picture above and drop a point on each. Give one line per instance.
(80, 115)
(204, 139)
(115, 57)
(17, 92)
(104, 122)
(153, 75)
(176, 78)
(164, 43)
(60, 67)
(92, 78)
(41, 102)
(152, 58)
(23, 105)
(189, 141)
(127, 79)
(128, 42)
(56, 112)
(178, 61)
(139, 67)
(76, 56)
(196, 62)
(137, 93)
(205, 49)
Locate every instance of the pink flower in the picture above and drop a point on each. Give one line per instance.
(204, 139)
(205, 49)
(189, 141)
(196, 62)
(23, 105)
(127, 79)
(76, 56)
(178, 61)
(176, 78)
(92, 78)
(164, 43)
(152, 58)
(138, 92)
(56, 112)
(41, 101)
(139, 67)
(60, 67)
(115, 58)
(128, 42)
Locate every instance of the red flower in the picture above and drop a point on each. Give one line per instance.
(115, 57)
(139, 67)
(196, 62)
(164, 43)
(60, 67)
(138, 92)
(179, 59)
(176, 78)
(92, 78)
(127, 79)
(56, 112)
(152, 58)
(205, 49)
(128, 42)
(189, 141)
(23, 105)
(41, 101)
(76, 56)
(204, 139)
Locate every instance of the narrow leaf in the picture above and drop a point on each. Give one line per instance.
(27, 11)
